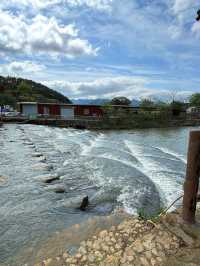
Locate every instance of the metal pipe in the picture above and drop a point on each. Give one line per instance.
(191, 184)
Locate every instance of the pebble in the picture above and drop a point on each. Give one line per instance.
(124, 245)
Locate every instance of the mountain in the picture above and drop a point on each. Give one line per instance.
(13, 90)
(98, 101)
(135, 103)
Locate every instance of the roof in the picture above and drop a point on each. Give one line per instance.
(84, 105)
(61, 104)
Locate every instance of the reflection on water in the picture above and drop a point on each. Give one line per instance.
(129, 169)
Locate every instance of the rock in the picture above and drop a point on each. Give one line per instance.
(84, 204)
(42, 166)
(37, 154)
(57, 188)
(82, 250)
(47, 178)
(84, 258)
(28, 143)
(91, 258)
(103, 234)
(41, 159)
(3, 180)
(47, 262)
(65, 255)
(144, 261)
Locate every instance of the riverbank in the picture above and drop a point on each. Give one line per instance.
(136, 242)
(126, 123)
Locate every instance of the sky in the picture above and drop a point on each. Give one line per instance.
(103, 48)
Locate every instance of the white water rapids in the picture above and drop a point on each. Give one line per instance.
(138, 169)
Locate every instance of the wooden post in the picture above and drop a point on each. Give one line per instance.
(192, 178)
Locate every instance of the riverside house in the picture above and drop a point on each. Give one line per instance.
(59, 110)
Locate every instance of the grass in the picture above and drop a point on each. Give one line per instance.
(143, 215)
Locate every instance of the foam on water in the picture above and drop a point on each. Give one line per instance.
(174, 154)
(167, 185)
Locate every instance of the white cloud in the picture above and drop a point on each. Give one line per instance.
(131, 87)
(95, 4)
(15, 68)
(182, 5)
(41, 35)
(44, 4)
(196, 29)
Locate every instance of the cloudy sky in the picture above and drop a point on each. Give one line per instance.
(103, 48)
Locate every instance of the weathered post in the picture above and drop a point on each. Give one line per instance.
(192, 178)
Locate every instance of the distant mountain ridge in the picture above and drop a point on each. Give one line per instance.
(35, 92)
(100, 101)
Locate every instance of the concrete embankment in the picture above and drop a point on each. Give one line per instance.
(135, 242)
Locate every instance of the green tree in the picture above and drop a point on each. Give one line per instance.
(24, 89)
(195, 99)
(146, 103)
(7, 100)
(120, 101)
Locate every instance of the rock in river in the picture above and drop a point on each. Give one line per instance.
(37, 154)
(42, 166)
(47, 178)
(84, 203)
(57, 188)
(41, 159)
(3, 180)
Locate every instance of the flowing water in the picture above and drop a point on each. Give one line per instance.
(136, 170)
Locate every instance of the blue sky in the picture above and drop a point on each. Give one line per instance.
(103, 48)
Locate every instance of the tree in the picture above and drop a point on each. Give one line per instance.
(120, 101)
(7, 100)
(24, 89)
(177, 107)
(146, 103)
(195, 99)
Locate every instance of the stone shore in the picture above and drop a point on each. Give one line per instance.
(135, 242)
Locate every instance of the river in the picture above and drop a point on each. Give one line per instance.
(136, 170)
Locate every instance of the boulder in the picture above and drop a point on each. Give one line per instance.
(57, 189)
(74, 202)
(42, 166)
(47, 178)
(3, 180)
(84, 203)
(37, 154)
(41, 159)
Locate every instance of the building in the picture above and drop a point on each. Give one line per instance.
(194, 110)
(65, 111)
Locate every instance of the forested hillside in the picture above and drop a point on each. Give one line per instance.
(13, 90)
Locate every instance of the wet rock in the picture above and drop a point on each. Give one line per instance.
(47, 178)
(42, 166)
(37, 154)
(3, 180)
(84, 203)
(28, 143)
(57, 188)
(41, 159)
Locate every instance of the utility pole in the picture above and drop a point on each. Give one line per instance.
(191, 184)
(198, 15)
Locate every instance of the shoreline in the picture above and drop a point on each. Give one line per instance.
(105, 124)
(133, 242)
(126, 241)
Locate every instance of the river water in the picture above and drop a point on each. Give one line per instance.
(137, 170)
